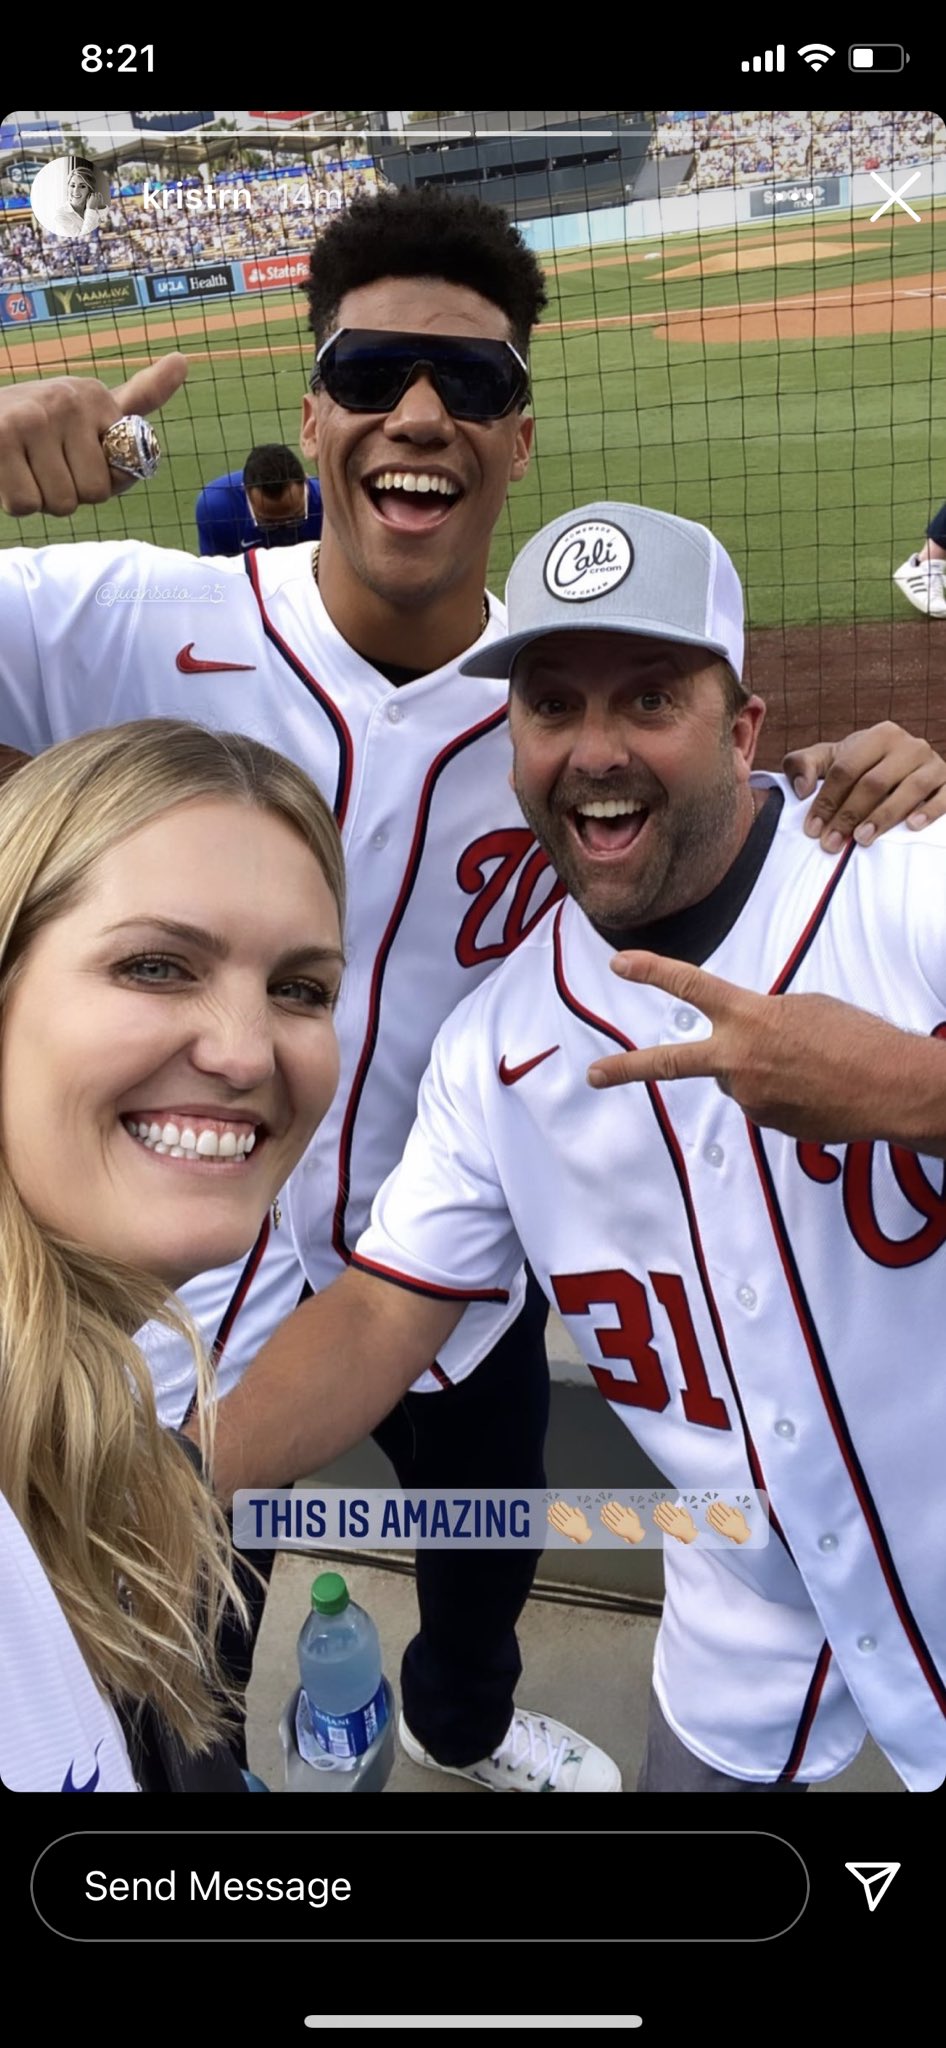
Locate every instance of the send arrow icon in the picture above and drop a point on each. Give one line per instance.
(876, 1878)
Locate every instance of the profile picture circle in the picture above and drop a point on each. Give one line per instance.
(69, 196)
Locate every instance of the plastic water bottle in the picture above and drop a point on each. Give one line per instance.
(343, 1712)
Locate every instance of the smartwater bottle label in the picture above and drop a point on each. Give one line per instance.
(310, 1750)
(345, 1737)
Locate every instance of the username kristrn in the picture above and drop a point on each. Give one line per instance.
(161, 198)
(292, 196)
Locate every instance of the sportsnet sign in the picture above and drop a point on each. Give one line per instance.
(803, 195)
(272, 271)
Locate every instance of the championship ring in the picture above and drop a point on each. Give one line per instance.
(132, 447)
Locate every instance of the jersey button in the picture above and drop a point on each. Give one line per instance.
(380, 839)
(395, 714)
(714, 1155)
(747, 1297)
(867, 1643)
(684, 1019)
(784, 1427)
(827, 1542)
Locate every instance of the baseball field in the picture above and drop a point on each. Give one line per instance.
(784, 383)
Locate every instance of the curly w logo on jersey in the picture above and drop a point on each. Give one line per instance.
(885, 1189)
(885, 1182)
(91, 1784)
(517, 891)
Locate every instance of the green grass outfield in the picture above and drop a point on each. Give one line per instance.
(816, 463)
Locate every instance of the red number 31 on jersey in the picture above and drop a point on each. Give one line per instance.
(632, 1340)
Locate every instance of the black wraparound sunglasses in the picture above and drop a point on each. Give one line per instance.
(369, 369)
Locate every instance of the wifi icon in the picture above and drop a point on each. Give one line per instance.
(816, 54)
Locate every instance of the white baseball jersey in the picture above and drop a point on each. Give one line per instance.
(759, 1312)
(235, 1309)
(444, 876)
(58, 1733)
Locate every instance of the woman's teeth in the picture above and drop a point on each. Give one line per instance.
(183, 1141)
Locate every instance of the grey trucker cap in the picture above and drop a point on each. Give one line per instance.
(620, 569)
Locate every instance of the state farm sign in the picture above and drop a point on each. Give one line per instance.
(273, 271)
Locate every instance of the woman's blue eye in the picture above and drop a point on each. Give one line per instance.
(150, 967)
(311, 993)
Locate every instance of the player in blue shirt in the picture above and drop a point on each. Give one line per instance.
(270, 503)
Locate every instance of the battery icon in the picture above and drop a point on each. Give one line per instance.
(877, 57)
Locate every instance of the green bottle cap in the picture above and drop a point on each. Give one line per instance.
(329, 1593)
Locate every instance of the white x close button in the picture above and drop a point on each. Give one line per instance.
(895, 197)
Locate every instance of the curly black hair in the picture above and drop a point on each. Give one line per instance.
(270, 467)
(425, 233)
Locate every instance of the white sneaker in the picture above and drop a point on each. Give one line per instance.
(538, 1755)
(925, 586)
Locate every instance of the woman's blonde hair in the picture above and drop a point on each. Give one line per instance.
(136, 1548)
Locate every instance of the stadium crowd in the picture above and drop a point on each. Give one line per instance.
(740, 147)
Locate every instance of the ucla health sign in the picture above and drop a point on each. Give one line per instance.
(213, 282)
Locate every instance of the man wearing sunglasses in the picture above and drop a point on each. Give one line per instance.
(369, 370)
(347, 658)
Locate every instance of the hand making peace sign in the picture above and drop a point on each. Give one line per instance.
(808, 1065)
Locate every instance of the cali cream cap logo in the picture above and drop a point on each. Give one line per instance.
(586, 560)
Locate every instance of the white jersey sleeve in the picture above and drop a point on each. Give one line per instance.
(72, 619)
(921, 899)
(441, 1224)
(49, 666)
(57, 1731)
(235, 1308)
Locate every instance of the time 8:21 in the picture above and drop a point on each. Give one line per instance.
(94, 58)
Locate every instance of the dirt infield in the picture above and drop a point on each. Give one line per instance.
(824, 681)
(847, 234)
(60, 350)
(914, 305)
(769, 255)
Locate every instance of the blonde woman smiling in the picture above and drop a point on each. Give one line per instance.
(171, 909)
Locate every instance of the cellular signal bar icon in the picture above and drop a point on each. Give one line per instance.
(772, 60)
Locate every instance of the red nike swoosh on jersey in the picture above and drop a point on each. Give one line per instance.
(191, 665)
(510, 1075)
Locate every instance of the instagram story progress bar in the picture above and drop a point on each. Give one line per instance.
(771, 60)
(503, 2023)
